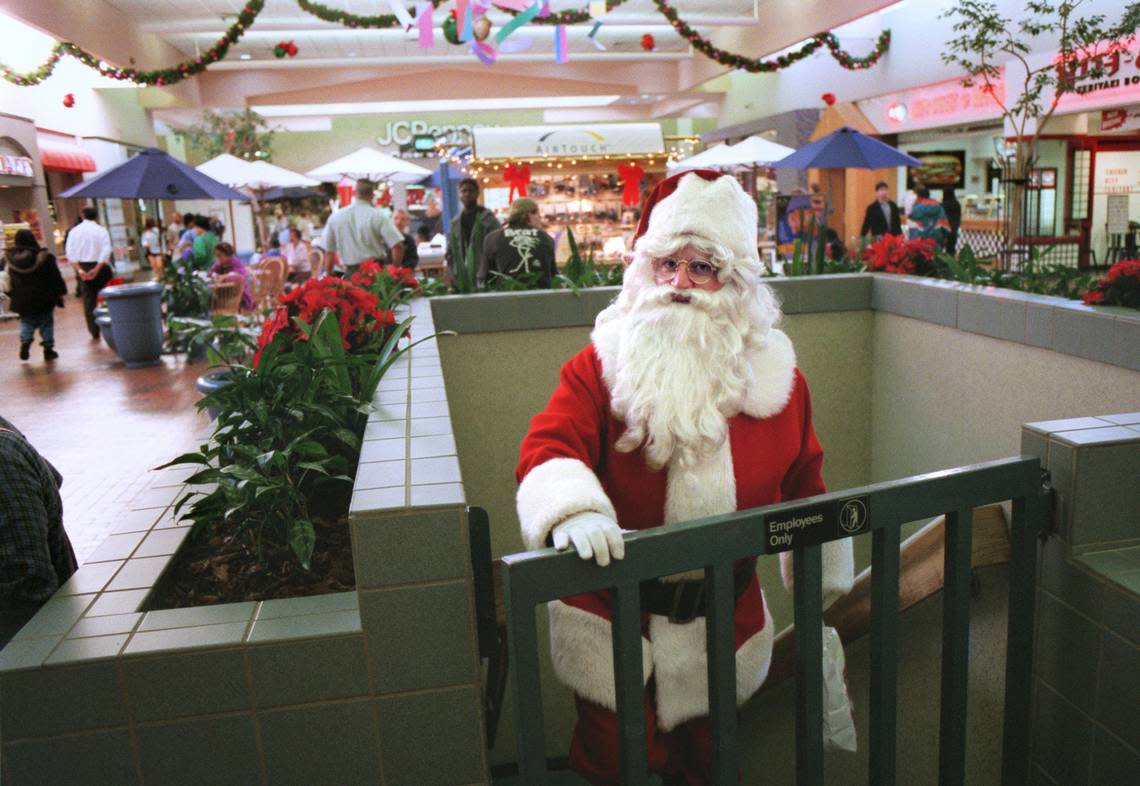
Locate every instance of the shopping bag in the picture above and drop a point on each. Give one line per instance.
(838, 719)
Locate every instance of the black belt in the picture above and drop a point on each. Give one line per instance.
(684, 601)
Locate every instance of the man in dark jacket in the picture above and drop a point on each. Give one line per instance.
(36, 288)
(882, 216)
(521, 250)
(35, 553)
(463, 231)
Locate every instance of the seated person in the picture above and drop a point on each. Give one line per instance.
(35, 552)
(296, 254)
(423, 234)
(228, 269)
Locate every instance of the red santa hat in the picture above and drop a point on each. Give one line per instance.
(707, 204)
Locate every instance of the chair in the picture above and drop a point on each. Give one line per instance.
(267, 281)
(225, 299)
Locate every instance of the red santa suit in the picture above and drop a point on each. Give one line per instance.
(570, 463)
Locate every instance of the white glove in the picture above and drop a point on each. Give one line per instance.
(593, 535)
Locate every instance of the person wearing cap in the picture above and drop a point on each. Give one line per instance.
(520, 250)
(687, 403)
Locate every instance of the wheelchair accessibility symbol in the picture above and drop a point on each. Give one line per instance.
(853, 516)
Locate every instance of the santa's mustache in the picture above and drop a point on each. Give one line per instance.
(665, 295)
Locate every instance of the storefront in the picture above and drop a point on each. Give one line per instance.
(64, 163)
(589, 177)
(23, 196)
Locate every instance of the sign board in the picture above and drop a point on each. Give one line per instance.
(1117, 172)
(940, 169)
(814, 524)
(930, 106)
(19, 166)
(1117, 214)
(529, 142)
(1126, 119)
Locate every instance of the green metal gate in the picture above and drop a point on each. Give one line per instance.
(535, 578)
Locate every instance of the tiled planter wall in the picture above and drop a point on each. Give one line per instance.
(1087, 662)
(377, 686)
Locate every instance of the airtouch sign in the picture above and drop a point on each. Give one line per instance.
(813, 524)
(618, 139)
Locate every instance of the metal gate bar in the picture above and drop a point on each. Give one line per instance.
(713, 544)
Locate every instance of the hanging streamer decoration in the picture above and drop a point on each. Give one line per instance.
(593, 36)
(424, 11)
(342, 17)
(560, 54)
(157, 77)
(756, 66)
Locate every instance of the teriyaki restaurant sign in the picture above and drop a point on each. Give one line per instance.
(933, 105)
(618, 139)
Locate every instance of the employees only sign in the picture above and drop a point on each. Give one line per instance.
(814, 524)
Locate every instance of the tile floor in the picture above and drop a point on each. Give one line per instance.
(102, 425)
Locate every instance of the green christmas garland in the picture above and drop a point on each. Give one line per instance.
(756, 66)
(341, 17)
(157, 77)
(567, 17)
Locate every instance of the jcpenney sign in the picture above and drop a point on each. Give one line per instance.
(402, 132)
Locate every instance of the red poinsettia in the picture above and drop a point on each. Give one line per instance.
(392, 284)
(1120, 287)
(896, 254)
(357, 311)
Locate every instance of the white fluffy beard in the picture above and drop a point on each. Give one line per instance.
(681, 370)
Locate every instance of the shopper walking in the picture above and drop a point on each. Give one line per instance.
(461, 233)
(953, 209)
(36, 288)
(927, 218)
(521, 250)
(151, 241)
(882, 216)
(360, 231)
(89, 245)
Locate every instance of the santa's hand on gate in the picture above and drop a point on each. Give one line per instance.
(594, 536)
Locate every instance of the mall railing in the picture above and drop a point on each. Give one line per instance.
(534, 578)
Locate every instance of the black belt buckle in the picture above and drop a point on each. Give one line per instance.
(688, 602)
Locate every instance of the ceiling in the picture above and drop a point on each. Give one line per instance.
(337, 65)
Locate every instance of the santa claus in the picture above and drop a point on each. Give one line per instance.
(687, 403)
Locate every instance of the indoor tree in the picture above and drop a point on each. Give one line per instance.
(1087, 47)
(244, 134)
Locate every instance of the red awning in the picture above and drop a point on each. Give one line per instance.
(64, 157)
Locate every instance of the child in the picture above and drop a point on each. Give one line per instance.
(36, 289)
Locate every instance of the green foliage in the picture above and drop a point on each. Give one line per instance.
(582, 272)
(505, 282)
(287, 438)
(184, 294)
(229, 341)
(467, 264)
(244, 134)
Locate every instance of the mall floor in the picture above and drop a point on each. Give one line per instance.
(103, 425)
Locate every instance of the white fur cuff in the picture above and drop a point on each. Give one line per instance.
(838, 561)
(553, 492)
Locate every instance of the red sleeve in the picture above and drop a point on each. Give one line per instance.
(803, 478)
(573, 423)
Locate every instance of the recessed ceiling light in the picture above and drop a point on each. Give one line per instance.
(245, 56)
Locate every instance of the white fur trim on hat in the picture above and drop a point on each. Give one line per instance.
(553, 492)
(717, 210)
(680, 663)
(582, 652)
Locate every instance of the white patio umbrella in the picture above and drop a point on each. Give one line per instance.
(756, 150)
(370, 164)
(717, 157)
(228, 169)
(264, 176)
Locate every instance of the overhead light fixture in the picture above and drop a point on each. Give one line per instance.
(245, 56)
(436, 105)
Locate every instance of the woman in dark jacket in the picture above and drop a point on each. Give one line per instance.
(36, 288)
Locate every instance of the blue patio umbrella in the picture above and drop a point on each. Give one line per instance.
(153, 174)
(846, 149)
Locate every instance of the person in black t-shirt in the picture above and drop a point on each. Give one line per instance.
(521, 250)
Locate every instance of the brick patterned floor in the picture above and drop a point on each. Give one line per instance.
(103, 425)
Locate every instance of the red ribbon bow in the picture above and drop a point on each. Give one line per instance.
(631, 175)
(517, 177)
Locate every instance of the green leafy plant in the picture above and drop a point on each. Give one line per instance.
(229, 340)
(467, 264)
(184, 294)
(506, 282)
(582, 272)
(965, 267)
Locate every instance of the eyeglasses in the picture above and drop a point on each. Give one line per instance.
(701, 271)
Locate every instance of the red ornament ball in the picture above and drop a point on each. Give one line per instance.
(648, 42)
(828, 98)
(69, 100)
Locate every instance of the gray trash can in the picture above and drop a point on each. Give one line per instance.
(104, 323)
(136, 313)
